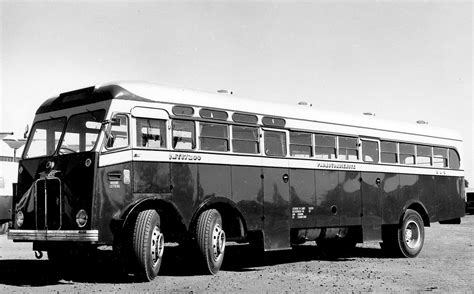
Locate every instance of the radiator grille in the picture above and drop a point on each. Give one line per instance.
(48, 204)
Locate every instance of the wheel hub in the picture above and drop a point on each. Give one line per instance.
(218, 241)
(157, 245)
(412, 235)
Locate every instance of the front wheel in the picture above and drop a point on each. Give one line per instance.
(211, 240)
(148, 244)
(408, 239)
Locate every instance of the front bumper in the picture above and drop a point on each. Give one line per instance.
(51, 235)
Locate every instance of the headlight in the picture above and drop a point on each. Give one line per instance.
(81, 218)
(19, 219)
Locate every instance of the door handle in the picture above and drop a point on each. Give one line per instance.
(378, 181)
(286, 177)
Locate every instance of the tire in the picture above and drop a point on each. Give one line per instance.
(211, 240)
(407, 239)
(147, 245)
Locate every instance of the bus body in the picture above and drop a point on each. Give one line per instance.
(129, 164)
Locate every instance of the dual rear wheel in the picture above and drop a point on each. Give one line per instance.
(148, 243)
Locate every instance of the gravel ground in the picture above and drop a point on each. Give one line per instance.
(446, 264)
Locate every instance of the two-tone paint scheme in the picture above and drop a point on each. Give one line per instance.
(277, 198)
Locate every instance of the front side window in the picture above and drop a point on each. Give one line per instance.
(301, 144)
(348, 148)
(118, 134)
(275, 143)
(44, 138)
(183, 135)
(245, 139)
(214, 137)
(454, 160)
(82, 132)
(151, 133)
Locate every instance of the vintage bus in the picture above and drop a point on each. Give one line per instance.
(134, 165)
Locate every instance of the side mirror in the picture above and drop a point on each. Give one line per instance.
(110, 141)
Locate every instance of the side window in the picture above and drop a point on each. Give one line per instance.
(183, 134)
(151, 133)
(440, 157)
(348, 148)
(370, 151)
(454, 160)
(300, 144)
(245, 139)
(275, 143)
(423, 155)
(407, 153)
(388, 152)
(214, 137)
(118, 137)
(325, 146)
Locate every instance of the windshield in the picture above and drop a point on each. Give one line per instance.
(82, 132)
(45, 137)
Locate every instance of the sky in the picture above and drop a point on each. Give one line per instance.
(403, 61)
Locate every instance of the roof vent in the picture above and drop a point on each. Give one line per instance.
(304, 103)
(369, 113)
(224, 91)
(421, 122)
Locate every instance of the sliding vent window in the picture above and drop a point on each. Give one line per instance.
(245, 139)
(183, 135)
(300, 144)
(348, 148)
(423, 155)
(370, 151)
(407, 154)
(388, 152)
(325, 146)
(275, 143)
(440, 157)
(151, 133)
(214, 137)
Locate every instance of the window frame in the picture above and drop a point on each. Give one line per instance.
(109, 131)
(193, 138)
(377, 142)
(216, 122)
(285, 132)
(232, 138)
(311, 144)
(167, 129)
(358, 149)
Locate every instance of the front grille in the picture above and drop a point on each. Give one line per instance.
(48, 204)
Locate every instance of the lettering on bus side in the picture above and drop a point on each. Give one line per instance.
(185, 157)
(329, 165)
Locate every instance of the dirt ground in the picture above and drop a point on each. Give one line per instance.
(446, 264)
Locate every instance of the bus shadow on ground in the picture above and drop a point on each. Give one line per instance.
(104, 267)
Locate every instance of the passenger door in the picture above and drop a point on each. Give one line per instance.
(276, 187)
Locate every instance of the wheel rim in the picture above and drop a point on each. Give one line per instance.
(157, 245)
(412, 235)
(218, 241)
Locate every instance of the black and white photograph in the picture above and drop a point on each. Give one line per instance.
(236, 146)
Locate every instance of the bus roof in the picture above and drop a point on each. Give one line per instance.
(153, 92)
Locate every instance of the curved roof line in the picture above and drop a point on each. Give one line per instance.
(160, 93)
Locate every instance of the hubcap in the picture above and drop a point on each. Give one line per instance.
(218, 241)
(157, 245)
(412, 235)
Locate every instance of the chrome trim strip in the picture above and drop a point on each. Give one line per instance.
(43, 235)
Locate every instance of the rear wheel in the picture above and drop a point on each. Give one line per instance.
(148, 244)
(211, 240)
(406, 240)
